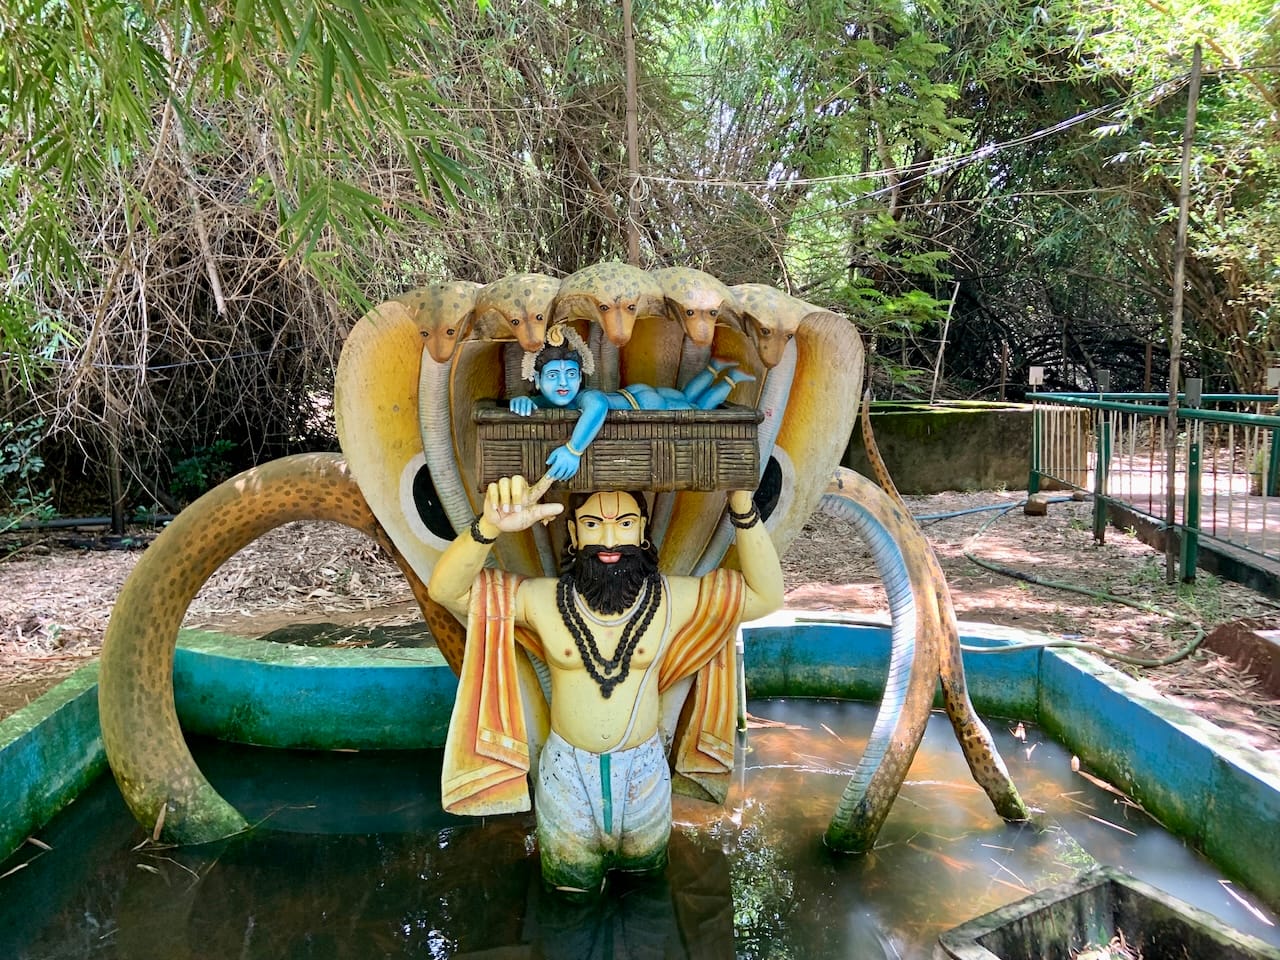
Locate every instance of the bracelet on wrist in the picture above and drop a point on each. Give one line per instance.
(744, 520)
(479, 537)
(568, 445)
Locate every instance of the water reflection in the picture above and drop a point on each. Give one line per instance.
(468, 889)
(943, 856)
(470, 893)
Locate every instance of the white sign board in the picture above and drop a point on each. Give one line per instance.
(1036, 377)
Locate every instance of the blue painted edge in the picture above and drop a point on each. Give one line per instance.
(792, 654)
(277, 695)
(1205, 784)
(50, 750)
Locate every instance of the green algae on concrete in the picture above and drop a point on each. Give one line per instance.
(1092, 909)
(824, 654)
(1202, 783)
(956, 445)
(50, 750)
(316, 698)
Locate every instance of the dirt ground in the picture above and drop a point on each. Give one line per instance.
(57, 596)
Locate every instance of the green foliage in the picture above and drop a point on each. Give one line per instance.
(212, 189)
(20, 468)
(1006, 171)
(146, 515)
(1102, 218)
(322, 85)
(202, 471)
(1204, 599)
(1150, 574)
(904, 381)
(1029, 153)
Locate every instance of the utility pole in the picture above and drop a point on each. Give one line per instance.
(633, 139)
(1175, 329)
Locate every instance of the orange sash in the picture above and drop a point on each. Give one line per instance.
(486, 752)
(704, 741)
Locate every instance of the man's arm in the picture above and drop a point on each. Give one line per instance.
(756, 557)
(510, 505)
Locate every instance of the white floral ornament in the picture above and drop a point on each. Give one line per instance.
(557, 336)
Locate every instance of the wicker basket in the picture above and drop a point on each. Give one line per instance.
(634, 450)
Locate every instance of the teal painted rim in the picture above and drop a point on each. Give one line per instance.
(318, 698)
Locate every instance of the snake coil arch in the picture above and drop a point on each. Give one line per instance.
(407, 379)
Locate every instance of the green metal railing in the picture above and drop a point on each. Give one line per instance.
(1226, 464)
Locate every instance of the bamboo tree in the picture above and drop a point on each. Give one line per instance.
(280, 146)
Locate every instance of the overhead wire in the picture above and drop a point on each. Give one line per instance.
(914, 172)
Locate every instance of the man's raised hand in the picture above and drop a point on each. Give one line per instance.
(510, 504)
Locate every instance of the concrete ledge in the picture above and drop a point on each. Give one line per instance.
(322, 698)
(50, 750)
(1220, 559)
(1205, 785)
(830, 655)
(952, 445)
(1238, 822)
(1098, 904)
(1156, 752)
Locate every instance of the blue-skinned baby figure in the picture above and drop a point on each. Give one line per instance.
(558, 373)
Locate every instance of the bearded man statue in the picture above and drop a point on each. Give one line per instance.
(611, 635)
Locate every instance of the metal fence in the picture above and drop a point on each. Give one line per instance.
(1225, 464)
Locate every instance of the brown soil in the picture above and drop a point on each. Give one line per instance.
(56, 600)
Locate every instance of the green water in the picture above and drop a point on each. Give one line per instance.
(353, 858)
(336, 635)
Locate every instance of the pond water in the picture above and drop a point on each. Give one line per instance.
(353, 858)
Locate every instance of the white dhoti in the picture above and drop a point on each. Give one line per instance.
(601, 811)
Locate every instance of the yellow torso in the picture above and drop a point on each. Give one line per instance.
(579, 713)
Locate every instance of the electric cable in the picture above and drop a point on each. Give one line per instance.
(1085, 645)
(923, 518)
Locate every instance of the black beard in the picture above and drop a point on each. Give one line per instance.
(610, 588)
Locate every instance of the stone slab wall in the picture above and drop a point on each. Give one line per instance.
(957, 446)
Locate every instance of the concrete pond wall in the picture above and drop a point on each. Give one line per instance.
(1203, 784)
(958, 445)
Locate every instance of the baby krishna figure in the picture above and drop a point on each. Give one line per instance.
(557, 372)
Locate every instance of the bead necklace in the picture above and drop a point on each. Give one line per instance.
(601, 621)
(599, 667)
